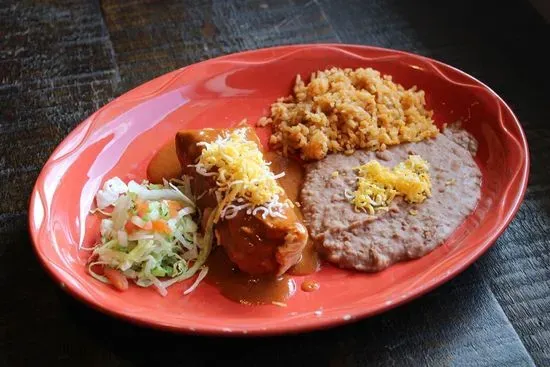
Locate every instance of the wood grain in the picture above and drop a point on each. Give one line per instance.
(56, 68)
(61, 60)
(154, 37)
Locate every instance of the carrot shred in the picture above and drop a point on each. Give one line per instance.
(173, 207)
(142, 208)
(161, 226)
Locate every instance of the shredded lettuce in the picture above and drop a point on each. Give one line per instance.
(110, 192)
(170, 192)
(151, 236)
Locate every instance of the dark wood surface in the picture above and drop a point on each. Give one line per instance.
(61, 60)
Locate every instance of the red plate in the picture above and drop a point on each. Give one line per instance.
(120, 139)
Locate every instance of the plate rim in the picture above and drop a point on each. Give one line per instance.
(320, 324)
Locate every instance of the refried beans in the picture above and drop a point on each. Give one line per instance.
(357, 240)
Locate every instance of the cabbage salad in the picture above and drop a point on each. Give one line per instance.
(149, 235)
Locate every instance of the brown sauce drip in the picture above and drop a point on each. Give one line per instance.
(309, 263)
(310, 286)
(244, 288)
(164, 164)
(294, 173)
(292, 183)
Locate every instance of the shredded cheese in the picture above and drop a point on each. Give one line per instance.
(243, 178)
(378, 185)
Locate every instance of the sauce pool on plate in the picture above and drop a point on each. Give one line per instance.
(245, 288)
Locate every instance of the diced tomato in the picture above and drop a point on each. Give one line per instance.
(117, 279)
(161, 226)
(174, 207)
(98, 269)
(130, 227)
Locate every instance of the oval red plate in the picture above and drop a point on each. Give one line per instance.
(120, 139)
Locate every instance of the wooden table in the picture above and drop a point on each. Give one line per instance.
(61, 60)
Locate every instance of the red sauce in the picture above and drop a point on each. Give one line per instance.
(310, 285)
